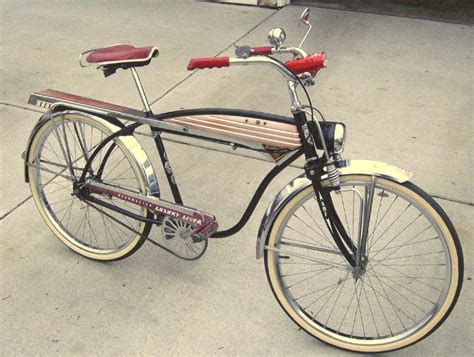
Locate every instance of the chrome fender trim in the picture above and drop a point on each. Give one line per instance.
(129, 141)
(345, 167)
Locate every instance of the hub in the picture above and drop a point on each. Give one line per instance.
(359, 270)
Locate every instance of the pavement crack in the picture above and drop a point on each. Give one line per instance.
(456, 200)
(11, 210)
(168, 91)
(21, 107)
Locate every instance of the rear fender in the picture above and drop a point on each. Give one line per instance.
(130, 142)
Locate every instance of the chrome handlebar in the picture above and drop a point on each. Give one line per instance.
(296, 51)
(263, 60)
(247, 59)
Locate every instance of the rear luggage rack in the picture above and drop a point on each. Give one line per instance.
(49, 99)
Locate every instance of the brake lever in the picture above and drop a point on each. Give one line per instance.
(307, 79)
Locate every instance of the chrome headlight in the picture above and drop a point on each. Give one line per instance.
(334, 135)
(339, 137)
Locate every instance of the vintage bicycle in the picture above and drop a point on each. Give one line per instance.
(355, 253)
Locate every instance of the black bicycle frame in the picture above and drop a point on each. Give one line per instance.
(306, 148)
(128, 130)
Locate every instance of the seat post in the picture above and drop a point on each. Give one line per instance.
(140, 89)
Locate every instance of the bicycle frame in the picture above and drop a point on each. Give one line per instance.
(277, 137)
(281, 139)
(218, 125)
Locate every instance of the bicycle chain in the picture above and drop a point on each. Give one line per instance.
(173, 253)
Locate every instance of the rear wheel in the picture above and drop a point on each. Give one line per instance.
(411, 280)
(57, 156)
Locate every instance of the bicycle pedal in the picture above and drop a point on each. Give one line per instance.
(205, 232)
(197, 238)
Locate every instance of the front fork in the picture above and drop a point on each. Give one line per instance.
(315, 168)
(330, 215)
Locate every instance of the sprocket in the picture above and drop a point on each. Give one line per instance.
(177, 239)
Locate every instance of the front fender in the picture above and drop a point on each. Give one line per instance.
(345, 167)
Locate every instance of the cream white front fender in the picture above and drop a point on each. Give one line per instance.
(347, 167)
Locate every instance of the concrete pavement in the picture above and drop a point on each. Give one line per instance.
(402, 86)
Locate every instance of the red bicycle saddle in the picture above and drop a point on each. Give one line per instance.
(120, 54)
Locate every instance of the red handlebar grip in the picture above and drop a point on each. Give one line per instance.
(266, 50)
(208, 62)
(310, 63)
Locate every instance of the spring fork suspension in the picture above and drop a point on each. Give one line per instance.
(333, 176)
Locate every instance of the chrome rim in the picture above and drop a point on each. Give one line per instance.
(407, 276)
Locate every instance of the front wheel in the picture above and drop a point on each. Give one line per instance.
(411, 277)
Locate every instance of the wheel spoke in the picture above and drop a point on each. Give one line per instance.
(312, 259)
(406, 276)
(311, 228)
(308, 237)
(399, 233)
(303, 245)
